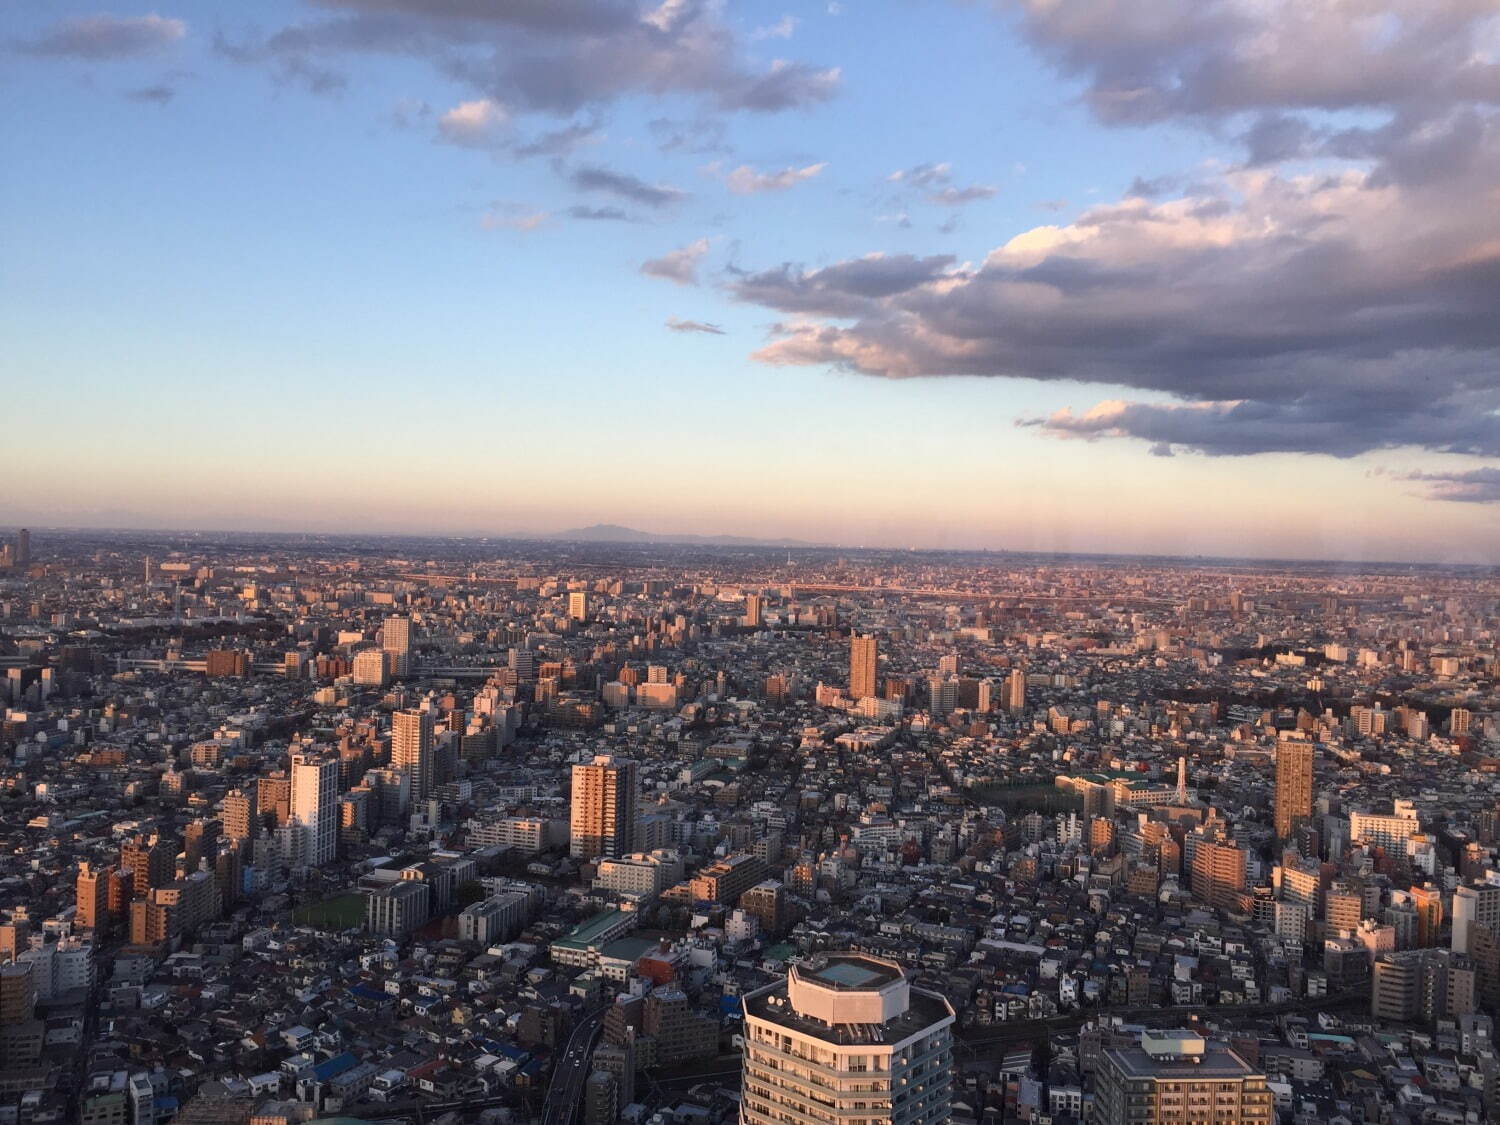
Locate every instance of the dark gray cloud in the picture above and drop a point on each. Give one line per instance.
(700, 326)
(1180, 58)
(557, 56)
(1262, 310)
(561, 142)
(1331, 315)
(106, 37)
(845, 289)
(291, 66)
(698, 137)
(592, 17)
(153, 95)
(625, 186)
(599, 214)
(959, 196)
(1472, 486)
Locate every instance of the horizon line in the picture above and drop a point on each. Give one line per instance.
(765, 543)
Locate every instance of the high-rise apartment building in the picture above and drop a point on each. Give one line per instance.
(411, 749)
(1179, 1076)
(395, 641)
(1474, 906)
(372, 667)
(1294, 785)
(273, 795)
(864, 656)
(604, 808)
(1015, 691)
(578, 605)
(315, 806)
(93, 896)
(1422, 984)
(1218, 874)
(846, 1038)
(754, 611)
(151, 863)
(240, 815)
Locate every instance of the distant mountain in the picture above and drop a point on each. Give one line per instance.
(614, 533)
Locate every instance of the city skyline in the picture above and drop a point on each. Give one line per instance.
(1024, 288)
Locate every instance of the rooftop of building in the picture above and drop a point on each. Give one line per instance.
(1209, 1059)
(856, 972)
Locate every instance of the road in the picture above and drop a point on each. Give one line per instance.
(572, 1071)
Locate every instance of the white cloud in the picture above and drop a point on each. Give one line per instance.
(784, 28)
(680, 266)
(481, 123)
(746, 180)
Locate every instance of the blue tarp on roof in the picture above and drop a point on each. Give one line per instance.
(335, 1066)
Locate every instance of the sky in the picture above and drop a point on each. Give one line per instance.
(1186, 277)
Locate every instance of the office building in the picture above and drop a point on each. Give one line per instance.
(315, 806)
(864, 656)
(604, 808)
(1180, 1077)
(1294, 786)
(411, 750)
(845, 1037)
(754, 611)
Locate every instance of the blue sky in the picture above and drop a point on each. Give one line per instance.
(297, 265)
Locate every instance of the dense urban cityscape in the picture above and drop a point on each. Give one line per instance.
(774, 562)
(591, 832)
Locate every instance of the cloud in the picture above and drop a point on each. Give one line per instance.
(1325, 314)
(959, 197)
(513, 216)
(698, 137)
(561, 142)
(846, 289)
(1472, 486)
(107, 37)
(290, 63)
(677, 325)
(680, 266)
(746, 180)
(786, 85)
(922, 175)
(155, 95)
(1214, 58)
(626, 186)
(784, 28)
(559, 56)
(1264, 308)
(599, 214)
(481, 123)
(406, 112)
